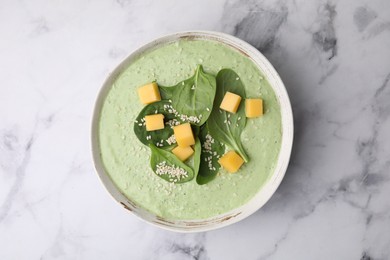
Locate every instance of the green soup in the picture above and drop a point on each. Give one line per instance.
(126, 159)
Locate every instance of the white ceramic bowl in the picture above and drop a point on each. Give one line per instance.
(267, 190)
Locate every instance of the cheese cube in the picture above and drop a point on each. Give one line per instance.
(231, 161)
(183, 153)
(149, 93)
(183, 134)
(154, 122)
(253, 107)
(230, 102)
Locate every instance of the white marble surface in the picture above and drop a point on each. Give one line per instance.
(334, 58)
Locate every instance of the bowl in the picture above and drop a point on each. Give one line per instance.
(262, 196)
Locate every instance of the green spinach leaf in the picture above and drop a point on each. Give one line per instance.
(167, 166)
(192, 99)
(224, 126)
(212, 150)
(197, 156)
(160, 138)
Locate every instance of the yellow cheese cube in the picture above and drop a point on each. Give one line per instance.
(154, 122)
(183, 134)
(183, 153)
(230, 102)
(149, 93)
(231, 161)
(253, 107)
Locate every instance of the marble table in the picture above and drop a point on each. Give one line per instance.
(334, 57)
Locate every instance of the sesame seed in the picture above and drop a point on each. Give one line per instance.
(237, 78)
(171, 140)
(173, 172)
(208, 109)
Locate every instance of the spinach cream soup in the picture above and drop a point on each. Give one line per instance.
(127, 160)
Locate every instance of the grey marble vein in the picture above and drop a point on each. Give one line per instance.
(325, 36)
(20, 173)
(196, 252)
(10, 141)
(363, 16)
(257, 25)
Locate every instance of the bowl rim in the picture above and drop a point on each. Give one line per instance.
(268, 189)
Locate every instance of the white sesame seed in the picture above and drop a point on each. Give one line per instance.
(171, 140)
(174, 172)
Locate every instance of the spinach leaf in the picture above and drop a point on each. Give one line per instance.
(197, 156)
(212, 150)
(160, 138)
(224, 126)
(192, 99)
(167, 166)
